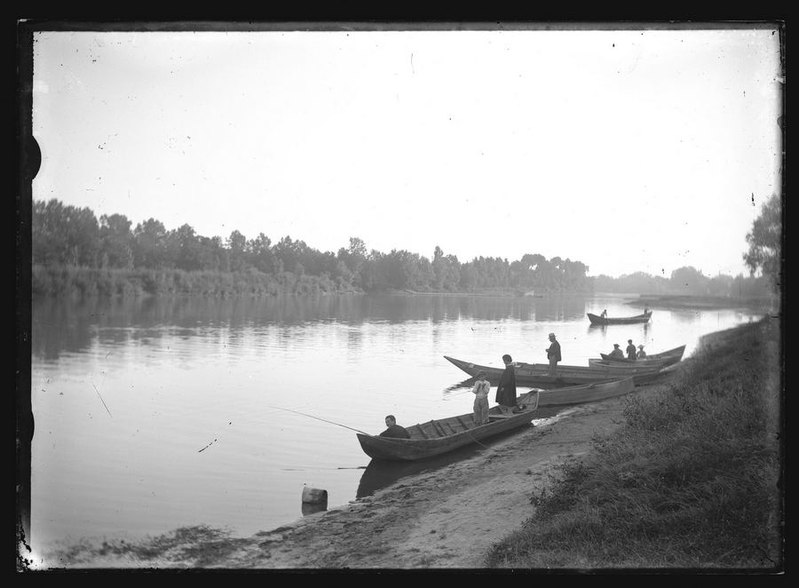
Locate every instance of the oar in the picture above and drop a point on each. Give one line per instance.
(321, 419)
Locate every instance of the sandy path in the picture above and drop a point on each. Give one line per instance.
(448, 518)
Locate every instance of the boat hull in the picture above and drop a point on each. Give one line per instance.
(586, 393)
(664, 358)
(629, 320)
(442, 436)
(537, 375)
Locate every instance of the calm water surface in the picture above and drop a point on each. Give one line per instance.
(152, 415)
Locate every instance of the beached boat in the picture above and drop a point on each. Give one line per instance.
(627, 320)
(585, 393)
(537, 374)
(630, 367)
(444, 435)
(665, 357)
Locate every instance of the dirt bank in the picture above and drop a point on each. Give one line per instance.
(445, 518)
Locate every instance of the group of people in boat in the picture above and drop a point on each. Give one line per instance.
(632, 352)
(505, 398)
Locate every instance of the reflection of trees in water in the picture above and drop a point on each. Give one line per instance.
(60, 325)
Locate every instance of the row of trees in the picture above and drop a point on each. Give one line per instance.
(67, 236)
(685, 281)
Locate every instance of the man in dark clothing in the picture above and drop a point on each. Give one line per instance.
(553, 354)
(506, 391)
(630, 349)
(616, 353)
(394, 430)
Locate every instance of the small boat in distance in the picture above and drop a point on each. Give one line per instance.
(628, 320)
(444, 435)
(668, 357)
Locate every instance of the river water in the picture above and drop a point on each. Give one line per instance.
(153, 414)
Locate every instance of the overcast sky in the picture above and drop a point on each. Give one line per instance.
(637, 150)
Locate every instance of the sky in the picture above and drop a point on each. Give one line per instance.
(628, 150)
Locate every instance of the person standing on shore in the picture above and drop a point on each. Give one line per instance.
(506, 391)
(630, 349)
(553, 354)
(480, 391)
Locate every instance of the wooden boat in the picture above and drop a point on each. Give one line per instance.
(630, 367)
(537, 374)
(444, 435)
(628, 320)
(666, 357)
(585, 393)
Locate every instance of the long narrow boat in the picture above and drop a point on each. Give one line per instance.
(631, 368)
(537, 374)
(625, 320)
(667, 357)
(444, 435)
(585, 393)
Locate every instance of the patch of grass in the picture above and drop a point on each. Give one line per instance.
(691, 480)
(197, 546)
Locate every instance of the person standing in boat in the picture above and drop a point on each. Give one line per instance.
(630, 349)
(617, 353)
(394, 430)
(641, 353)
(480, 390)
(553, 354)
(506, 391)
(604, 313)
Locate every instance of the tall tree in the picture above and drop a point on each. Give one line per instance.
(765, 243)
(116, 241)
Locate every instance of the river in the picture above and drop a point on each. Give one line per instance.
(156, 414)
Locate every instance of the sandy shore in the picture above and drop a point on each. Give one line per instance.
(446, 518)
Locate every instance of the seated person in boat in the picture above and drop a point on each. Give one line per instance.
(394, 430)
(617, 353)
(641, 353)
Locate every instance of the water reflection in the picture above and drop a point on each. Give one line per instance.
(60, 325)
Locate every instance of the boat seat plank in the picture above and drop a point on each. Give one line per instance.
(439, 429)
(466, 424)
(448, 425)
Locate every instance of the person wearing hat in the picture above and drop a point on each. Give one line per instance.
(506, 390)
(553, 354)
(617, 352)
(641, 353)
(630, 349)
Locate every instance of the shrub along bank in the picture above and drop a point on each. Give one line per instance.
(693, 478)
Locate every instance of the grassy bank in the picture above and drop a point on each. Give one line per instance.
(84, 282)
(691, 480)
(683, 301)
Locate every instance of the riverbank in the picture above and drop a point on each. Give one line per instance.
(451, 518)
(681, 301)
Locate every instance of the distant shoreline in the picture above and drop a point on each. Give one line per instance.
(654, 301)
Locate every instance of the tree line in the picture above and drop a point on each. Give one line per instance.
(73, 249)
(65, 236)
